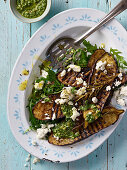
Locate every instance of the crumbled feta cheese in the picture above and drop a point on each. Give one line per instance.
(69, 70)
(94, 100)
(41, 132)
(75, 67)
(100, 65)
(75, 113)
(47, 118)
(108, 65)
(56, 137)
(63, 73)
(42, 101)
(117, 83)
(79, 80)
(76, 104)
(70, 103)
(67, 93)
(121, 102)
(39, 85)
(44, 73)
(54, 116)
(61, 101)
(35, 160)
(120, 75)
(123, 90)
(81, 91)
(105, 71)
(28, 158)
(50, 126)
(84, 83)
(108, 88)
(89, 113)
(34, 143)
(93, 89)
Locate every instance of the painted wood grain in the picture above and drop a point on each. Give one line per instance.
(13, 36)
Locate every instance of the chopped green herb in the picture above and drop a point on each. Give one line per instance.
(90, 118)
(65, 129)
(67, 110)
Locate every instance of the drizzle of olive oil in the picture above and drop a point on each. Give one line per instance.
(23, 85)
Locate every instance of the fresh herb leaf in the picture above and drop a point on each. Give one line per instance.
(80, 57)
(120, 59)
(89, 47)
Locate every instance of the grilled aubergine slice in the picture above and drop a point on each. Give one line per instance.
(111, 68)
(48, 110)
(95, 56)
(109, 116)
(70, 77)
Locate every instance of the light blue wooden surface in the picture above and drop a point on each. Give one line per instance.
(112, 155)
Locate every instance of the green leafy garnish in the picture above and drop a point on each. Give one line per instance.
(80, 58)
(120, 59)
(89, 47)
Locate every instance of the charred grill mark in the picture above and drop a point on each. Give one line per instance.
(96, 126)
(70, 77)
(56, 111)
(85, 133)
(93, 128)
(53, 108)
(100, 123)
(89, 131)
(61, 112)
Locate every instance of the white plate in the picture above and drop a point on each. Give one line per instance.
(70, 23)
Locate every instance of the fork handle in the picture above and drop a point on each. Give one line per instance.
(120, 7)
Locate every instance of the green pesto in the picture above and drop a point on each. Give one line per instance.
(65, 129)
(31, 8)
(67, 110)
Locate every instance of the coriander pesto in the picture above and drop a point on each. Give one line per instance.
(31, 8)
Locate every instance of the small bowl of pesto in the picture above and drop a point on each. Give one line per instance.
(30, 11)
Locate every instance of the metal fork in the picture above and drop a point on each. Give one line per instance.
(57, 50)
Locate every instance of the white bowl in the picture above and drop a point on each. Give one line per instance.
(27, 20)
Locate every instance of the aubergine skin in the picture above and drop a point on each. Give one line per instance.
(110, 116)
